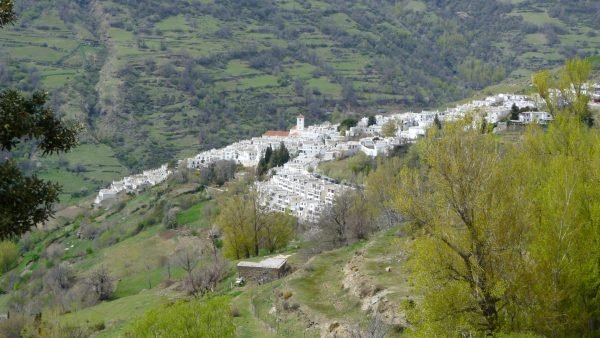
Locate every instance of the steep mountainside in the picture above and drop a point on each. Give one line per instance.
(155, 80)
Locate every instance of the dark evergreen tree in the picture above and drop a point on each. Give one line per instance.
(372, 121)
(514, 112)
(284, 155)
(272, 158)
(437, 122)
(268, 154)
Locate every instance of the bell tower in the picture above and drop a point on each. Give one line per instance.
(300, 123)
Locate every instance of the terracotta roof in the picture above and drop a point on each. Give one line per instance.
(277, 133)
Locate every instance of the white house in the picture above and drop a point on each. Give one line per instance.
(535, 117)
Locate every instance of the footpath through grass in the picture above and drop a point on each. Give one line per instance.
(319, 286)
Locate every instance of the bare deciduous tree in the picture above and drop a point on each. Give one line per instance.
(59, 278)
(347, 220)
(187, 258)
(101, 283)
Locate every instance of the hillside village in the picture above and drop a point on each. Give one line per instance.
(295, 186)
(304, 193)
(300, 168)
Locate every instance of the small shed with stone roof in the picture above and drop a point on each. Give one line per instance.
(264, 271)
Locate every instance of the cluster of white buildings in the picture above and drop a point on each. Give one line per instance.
(493, 109)
(295, 186)
(147, 178)
(410, 126)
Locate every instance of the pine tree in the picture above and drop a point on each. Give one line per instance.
(514, 112)
(437, 122)
(285, 154)
(372, 121)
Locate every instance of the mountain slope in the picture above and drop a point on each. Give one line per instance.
(156, 81)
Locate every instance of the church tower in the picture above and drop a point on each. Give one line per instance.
(300, 123)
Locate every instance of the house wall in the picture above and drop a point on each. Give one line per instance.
(255, 274)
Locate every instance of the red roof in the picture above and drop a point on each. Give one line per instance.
(277, 133)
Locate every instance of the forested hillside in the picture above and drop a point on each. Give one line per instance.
(154, 80)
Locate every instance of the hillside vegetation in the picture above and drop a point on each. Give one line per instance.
(155, 81)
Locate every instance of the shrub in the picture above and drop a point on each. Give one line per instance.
(54, 250)
(13, 326)
(309, 267)
(197, 318)
(8, 255)
(235, 311)
(99, 326)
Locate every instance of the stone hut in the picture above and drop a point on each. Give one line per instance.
(264, 271)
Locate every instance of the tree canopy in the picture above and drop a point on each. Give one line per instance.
(248, 226)
(7, 15)
(26, 201)
(506, 254)
(272, 159)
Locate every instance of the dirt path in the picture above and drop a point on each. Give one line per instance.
(372, 295)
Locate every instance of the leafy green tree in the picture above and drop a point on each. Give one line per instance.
(194, 319)
(49, 325)
(506, 255)
(567, 93)
(466, 231)
(26, 201)
(347, 124)
(560, 280)
(7, 14)
(277, 231)
(380, 189)
(389, 129)
(9, 253)
(248, 226)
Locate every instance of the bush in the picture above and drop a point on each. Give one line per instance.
(12, 327)
(235, 311)
(197, 318)
(26, 242)
(8, 255)
(99, 326)
(101, 283)
(54, 250)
